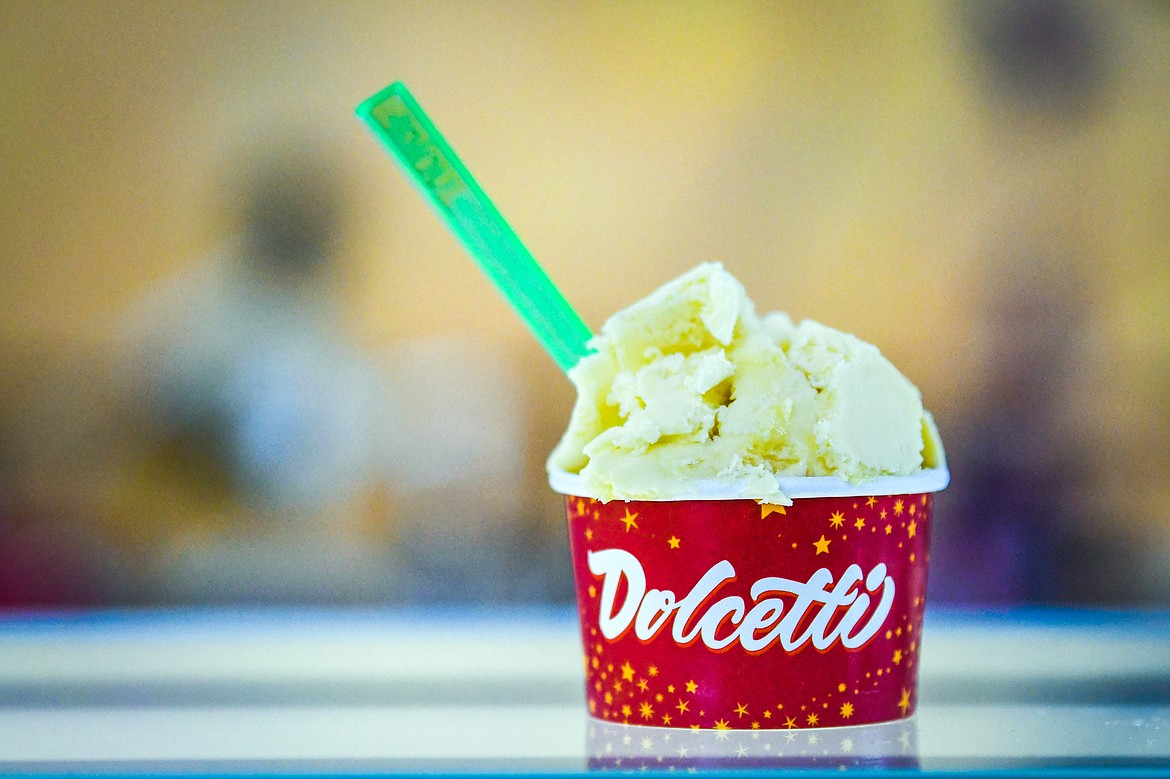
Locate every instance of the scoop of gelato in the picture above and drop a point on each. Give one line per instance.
(690, 386)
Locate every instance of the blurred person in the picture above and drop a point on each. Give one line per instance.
(245, 354)
(1025, 519)
(1017, 528)
(321, 471)
(256, 408)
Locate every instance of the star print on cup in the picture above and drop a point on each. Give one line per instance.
(731, 614)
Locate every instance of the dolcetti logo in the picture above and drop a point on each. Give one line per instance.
(820, 611)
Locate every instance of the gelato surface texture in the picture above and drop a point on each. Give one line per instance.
(691, 387)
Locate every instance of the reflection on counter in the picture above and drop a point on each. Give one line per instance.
(618, 747)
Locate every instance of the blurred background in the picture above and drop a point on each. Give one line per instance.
(242, 362)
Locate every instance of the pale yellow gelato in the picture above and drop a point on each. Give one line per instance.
(690, 386)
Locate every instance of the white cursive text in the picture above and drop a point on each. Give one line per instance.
(818, 611)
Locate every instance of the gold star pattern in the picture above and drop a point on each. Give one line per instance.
(666, 718)
(722, 725)
(790, 723)
(841, 687)
(771, 508)
(812, 720)
(692, 687)
(588, 534)
(871, 501)
(628, 672)
(822, 545)
(904, 703)
(837, 519)
(898, 505)
(682, 706)
(646, 710)
(674, 541)
(628, 520)
(652, 670)
(860, 523)
(889, 529)
(741, 709)
(912, 528)
(897, 657)
(626, 711)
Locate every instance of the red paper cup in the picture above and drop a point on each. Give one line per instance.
(731, 614)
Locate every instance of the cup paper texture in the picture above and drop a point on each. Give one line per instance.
(731, 614)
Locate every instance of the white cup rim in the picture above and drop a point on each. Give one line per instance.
(925, 480)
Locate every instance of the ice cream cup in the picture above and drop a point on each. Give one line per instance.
(725, 613)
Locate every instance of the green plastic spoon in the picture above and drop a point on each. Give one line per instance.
(402, 126)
